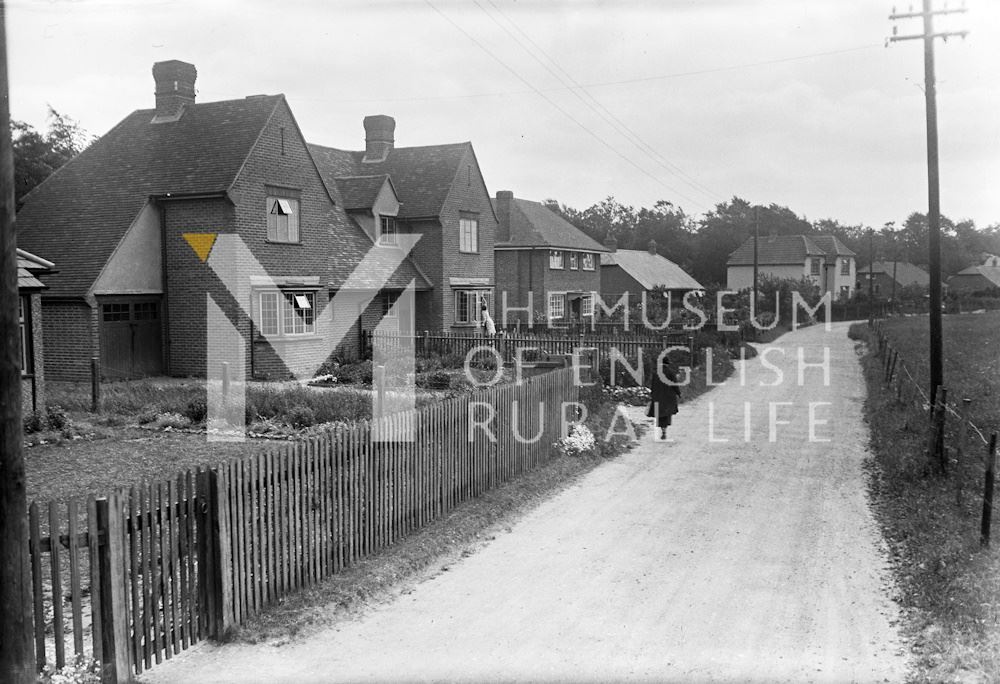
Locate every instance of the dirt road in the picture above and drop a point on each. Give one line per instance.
(698, 560)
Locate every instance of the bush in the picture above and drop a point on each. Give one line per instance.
(196, 410)
(356, 373)
(34, 422)
(171, 420)
(57, 418)
(81, 671)
(300, 416)
(438, 380)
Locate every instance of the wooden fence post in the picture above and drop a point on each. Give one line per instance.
(220, 588)
(991, 465)
(95, 385)
(116, 656)
(960, 450)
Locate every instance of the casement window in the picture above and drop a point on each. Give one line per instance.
(555, 259)
(468, 234)
(282, 219)
(468, 305)
(387, 302)
(24, 322)
(815, 266)
(286, 314)
(557, 305)
(845, 267)
(587, 305)
(574, 261)
(588, 261)
(387, 230)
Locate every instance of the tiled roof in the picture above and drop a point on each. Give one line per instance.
(832, 245)
(28, 266)
(532, 224)
(650, 270)
(359, 192)
(422, 176)
(906, 273)
(80, 213)
(988, 272)
(776, 249)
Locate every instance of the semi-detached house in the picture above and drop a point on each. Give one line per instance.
(130, 289)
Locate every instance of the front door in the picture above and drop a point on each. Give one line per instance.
(131, 338)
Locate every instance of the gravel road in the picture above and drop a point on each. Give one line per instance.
(750, 559)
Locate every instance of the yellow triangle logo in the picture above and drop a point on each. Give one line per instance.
(201, 243)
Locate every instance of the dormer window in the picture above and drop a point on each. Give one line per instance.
(282, 219)
(387, 230)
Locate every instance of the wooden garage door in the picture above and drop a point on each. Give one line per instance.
(130, 338)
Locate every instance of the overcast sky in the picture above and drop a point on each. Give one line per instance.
(795, 102)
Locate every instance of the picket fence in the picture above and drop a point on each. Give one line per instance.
(156, 568)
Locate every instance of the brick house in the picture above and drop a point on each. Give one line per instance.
(821, 259)
(29, 290)
(434, 191)
(983, 278)
(543, 257)
(641, 270)
(886, 272)
(130, 288)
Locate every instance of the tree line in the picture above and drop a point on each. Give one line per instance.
(702, 245)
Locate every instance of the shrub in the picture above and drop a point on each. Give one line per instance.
(300, 416)
(81, 671)
(196, 410)
(34, 422)
(437, 380)
(171, 420)
(147, 415)
(358, 372)
(57, 418)
(579, 441)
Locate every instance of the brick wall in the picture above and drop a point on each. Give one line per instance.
(519, 271)
(70, 334)
(615, 282)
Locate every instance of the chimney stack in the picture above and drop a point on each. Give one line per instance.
(174, 88)
(611, 243)
(504, 198)
(380, 133)
(651, 246)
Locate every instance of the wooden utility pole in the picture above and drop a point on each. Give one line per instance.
(756, 239)
(871, 272)
(933, 189)
(17, 654)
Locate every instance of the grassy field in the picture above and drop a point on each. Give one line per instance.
(948, 585)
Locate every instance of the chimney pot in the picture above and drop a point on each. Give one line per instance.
(174, 81)
(380, 131)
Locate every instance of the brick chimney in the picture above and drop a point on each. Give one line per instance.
(380, 133)
(174, 88)
(504, 198)
(651, 246)
(611, 243)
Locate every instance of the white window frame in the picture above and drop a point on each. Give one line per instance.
(283, 220)
(587, 305)
(815, 266)
(588, 261)
(845, 267)
(468, 235)
(387, 231)
(284, 304)
(473, 299)
(574, 261)
(556, 260)
(387, 306)
(557, 305)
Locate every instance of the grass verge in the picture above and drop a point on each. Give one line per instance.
(948, 586)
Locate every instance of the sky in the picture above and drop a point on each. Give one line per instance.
(794, 102)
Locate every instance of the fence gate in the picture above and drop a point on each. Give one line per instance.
(130, 338)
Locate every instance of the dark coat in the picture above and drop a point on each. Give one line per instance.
(663, 398)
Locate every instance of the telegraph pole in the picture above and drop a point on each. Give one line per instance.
(17, 652)
(871, 273)
(756, 239)
(933, 189)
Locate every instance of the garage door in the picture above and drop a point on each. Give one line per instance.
(130, 338)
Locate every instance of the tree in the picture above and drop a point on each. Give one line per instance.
(37, 156)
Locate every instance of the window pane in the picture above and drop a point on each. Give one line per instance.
(282, 219)
(269, 313)
(461, 306)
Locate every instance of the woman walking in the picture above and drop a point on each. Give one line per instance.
(663, 396)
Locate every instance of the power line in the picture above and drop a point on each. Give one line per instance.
(561, 110)
(607, 114)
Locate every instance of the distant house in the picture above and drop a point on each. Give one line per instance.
(543, 258)
(29, 289)
(641, 270)
(885, 272)
(982, 278)
(821, 259)
(436, 191)
(132, 290)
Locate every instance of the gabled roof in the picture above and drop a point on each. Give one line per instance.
(81, 212)
(988, 272)
(360, 192)
(832, 245)
(422, 176)
(29, 266)
(906, 273)
(532, 224)
(650, 270)
(775, 250)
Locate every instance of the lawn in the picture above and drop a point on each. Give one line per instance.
(949, 586)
